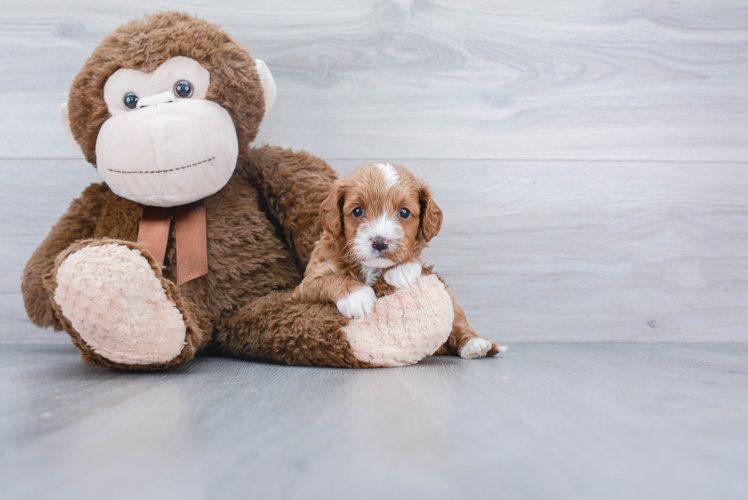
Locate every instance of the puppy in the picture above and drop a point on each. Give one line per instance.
(376, 222)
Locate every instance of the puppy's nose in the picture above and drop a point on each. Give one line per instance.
(379, 243)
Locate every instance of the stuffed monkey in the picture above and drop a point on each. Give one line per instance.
(195, 241)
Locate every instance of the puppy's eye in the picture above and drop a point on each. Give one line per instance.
(183, 89)
(404, 213)
(131, 100)
(358, 212)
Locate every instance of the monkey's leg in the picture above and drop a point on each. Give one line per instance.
(78, 223)
(464, 341)
(404, 327)
(111, 299)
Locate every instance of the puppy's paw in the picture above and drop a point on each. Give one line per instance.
(476, 348)
(404, 275)
(358, 304)
(497, 349)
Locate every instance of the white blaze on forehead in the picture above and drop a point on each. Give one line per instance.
(391, 177)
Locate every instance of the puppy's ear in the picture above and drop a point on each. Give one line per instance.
(331, 211)
(431, 214)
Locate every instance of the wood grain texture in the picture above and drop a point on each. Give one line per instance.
(535, 251)
(591, 79)
(567, 421)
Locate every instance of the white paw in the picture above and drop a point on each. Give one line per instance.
(358, 304)
(404, 275)
(475, 348)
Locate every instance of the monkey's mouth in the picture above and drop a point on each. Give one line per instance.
(160, 171)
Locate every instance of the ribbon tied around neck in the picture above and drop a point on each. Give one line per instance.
(191, 237)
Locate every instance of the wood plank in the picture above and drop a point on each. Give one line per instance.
(545, 421)
(621, 79)
(536, 251)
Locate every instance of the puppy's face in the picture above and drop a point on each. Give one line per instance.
(384, 214)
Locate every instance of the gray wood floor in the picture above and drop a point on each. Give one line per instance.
(546, 421)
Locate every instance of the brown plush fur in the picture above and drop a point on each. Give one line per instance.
(248, 257)
(79, 222)
(258, 242)
(261, 226)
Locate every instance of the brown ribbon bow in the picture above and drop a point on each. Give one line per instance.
(191, 236)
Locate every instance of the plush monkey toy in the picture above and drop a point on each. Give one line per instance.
(196, 241)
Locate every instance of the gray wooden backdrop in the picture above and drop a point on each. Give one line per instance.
(590, 156)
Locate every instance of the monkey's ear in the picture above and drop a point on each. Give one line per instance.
(66, 122)
(268, 84)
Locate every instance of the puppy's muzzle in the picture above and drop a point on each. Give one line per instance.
(379, 243)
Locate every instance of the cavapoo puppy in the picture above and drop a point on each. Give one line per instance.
(376, 222)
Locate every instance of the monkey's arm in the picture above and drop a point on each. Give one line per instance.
(406, 326)
(79, 222)
(293, 184)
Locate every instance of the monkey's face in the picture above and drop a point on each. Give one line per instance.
(165, 144)
(165, 106)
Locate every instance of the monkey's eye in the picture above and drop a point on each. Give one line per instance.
(404, 213)
(183, 89)
(131, 100)
(358, 212)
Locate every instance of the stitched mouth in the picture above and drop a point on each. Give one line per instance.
(160, 171)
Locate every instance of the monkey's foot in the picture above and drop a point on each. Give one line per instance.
(405, 326)
(112, 298)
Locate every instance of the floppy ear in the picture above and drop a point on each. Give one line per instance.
(331, 211)
(431, 214)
